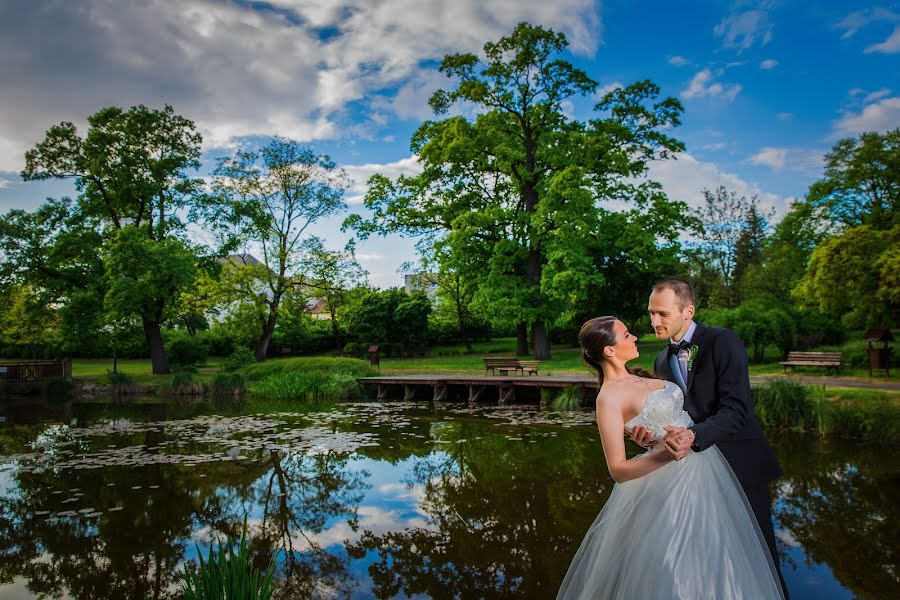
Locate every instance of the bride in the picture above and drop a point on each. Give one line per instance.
(671, 529)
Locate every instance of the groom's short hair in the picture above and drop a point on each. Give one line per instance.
(681, 288)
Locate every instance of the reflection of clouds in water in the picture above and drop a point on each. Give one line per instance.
(785, 536)
(373, 519)
(403, 491)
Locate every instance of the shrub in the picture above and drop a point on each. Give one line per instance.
(240, 358)
(313, 378)
(568, 399)
(184, 349)
(184, 382)
(229, 573)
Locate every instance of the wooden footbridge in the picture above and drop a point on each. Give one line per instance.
(475, 388)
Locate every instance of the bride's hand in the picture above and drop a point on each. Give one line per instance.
(641, 436)
(678, 441)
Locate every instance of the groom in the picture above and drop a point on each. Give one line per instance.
(710, 366)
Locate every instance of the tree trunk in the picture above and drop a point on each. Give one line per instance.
(541, 341)
(158, 358)
(522, 339)
(262, 346)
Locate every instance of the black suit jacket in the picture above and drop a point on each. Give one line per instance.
(719, 401)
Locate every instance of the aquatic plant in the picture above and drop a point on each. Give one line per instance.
(568, 399)
(313, 386)
(228, 574)
(784, 403)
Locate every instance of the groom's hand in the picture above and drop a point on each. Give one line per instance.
(641, 436)
(678, 441)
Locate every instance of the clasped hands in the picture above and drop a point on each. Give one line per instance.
(677, 442)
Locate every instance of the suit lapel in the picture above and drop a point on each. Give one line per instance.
(698, 341)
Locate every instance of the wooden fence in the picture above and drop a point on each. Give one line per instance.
(38, 370)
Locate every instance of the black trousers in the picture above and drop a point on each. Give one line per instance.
(761, 503)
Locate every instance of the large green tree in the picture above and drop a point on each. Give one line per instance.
(269, 198)
(861, 183)
(853, 276)
(124, 237)
(521, 175)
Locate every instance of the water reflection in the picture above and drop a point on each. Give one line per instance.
(370, 500)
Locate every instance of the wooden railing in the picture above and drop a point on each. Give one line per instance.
(33, 371)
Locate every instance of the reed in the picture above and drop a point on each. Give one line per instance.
(785, 403)
(228, 573)
(311, 386)
(568, 399)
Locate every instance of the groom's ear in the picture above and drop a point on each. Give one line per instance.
(689, 311)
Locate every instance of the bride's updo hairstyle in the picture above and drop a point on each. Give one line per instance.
(594, 336)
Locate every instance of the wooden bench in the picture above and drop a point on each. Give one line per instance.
(829, 360)
(530, 366)
(504, 365)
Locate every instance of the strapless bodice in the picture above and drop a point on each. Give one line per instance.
(664, 406)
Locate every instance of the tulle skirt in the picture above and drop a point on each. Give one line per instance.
(685, 531)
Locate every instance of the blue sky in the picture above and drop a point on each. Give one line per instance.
(767, 86)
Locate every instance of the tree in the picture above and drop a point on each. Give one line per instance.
(270, 197)
(389, 317)
(521, 175)
(861, 184)
(853, 276)
(731, 230)
(131, 172)
(785, 254)
(331, 274)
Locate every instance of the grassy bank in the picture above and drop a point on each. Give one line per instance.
(312, 379)
(872, 415)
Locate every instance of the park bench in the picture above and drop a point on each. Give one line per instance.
(502, 364)
(510, 363)
(829, 360)
(530, 367)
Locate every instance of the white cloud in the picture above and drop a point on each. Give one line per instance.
(369, 257)
(876, 95)
(784, 116)
(605, 89)
(240, 69)
(770, 157)
(888, 46)
(359, 175)
(678, 61)
(685, 178)
(702, 85)
(767, 64)
(879, 116)
(855, 21)
(794, 159)
(741, 30)
(715, 146)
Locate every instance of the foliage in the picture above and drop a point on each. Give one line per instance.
(228, 574)
(389, 316)
(123, 240)
(518, 185)
(315, 386)
(330, 275)
(240, 358)
(757, 325)
(861, 184)
(185, 349)
(852, 276)
(732, 231)
(259, 371)
(568, 399)
(228, 386)
(785, 403)
(270, 197)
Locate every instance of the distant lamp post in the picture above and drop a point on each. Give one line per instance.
(879, 358)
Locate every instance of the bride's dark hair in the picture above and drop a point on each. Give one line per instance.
(595, 335)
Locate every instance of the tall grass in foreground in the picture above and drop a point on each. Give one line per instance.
(568, 399)
(792, 405)
(228, 574)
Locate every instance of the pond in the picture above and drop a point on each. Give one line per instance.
(372, 500)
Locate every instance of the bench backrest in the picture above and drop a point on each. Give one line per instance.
(530, 364)
(507, 361)
(816, 356)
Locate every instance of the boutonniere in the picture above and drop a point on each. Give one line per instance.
(692, 352)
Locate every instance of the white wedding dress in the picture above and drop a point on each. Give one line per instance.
(684, 531)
